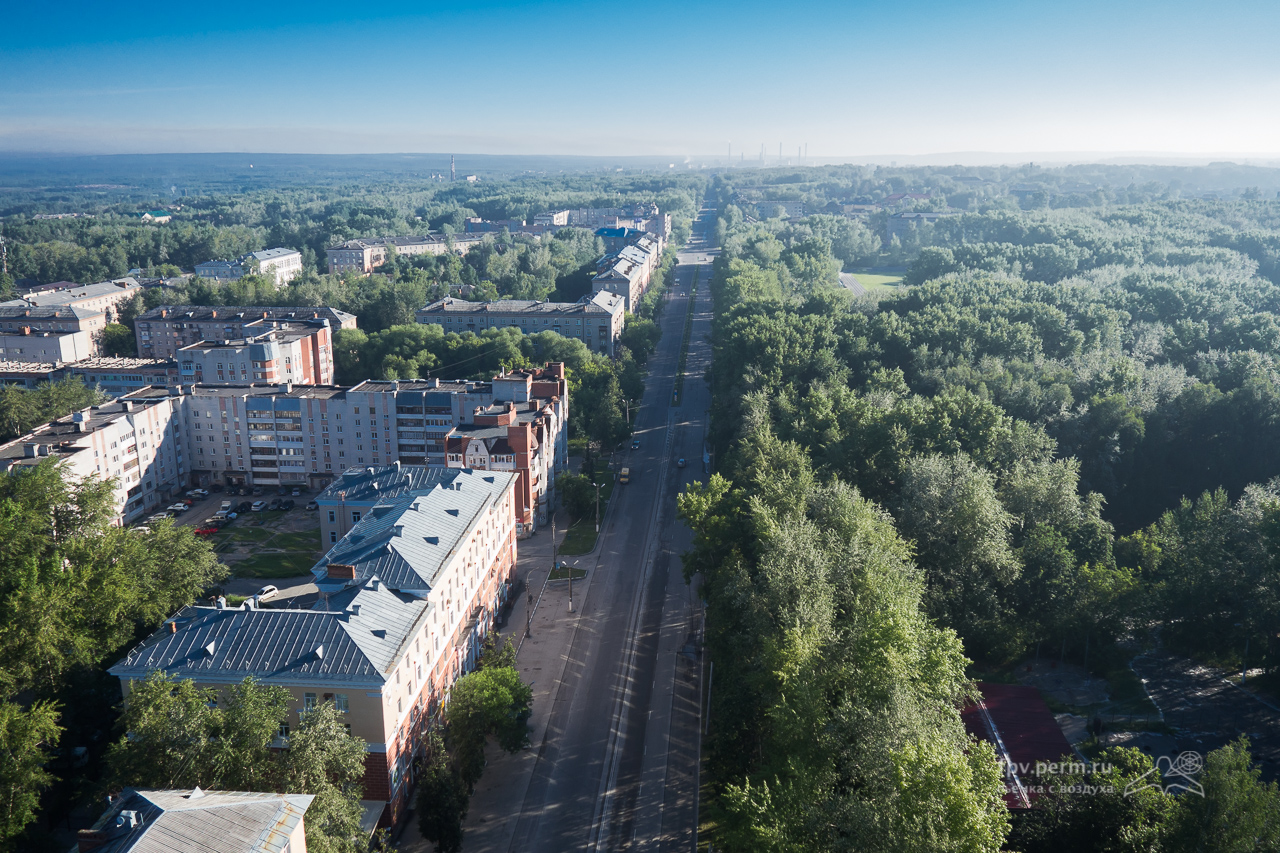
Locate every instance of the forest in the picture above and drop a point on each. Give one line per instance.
(1062, 434)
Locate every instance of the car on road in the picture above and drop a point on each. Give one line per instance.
(179, 507)
(267, 591)
(680, 462)
(198, 493)
(232, 516)
(635, 444)
(287, 504)
(274, 505)
(257, 490)
(296, 492)
(243, 507)
(225, 506)
(259, 506)
(312, 505)
(206, 531)
(625, 476)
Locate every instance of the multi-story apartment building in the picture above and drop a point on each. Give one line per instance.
(138, 440)
(364, 254)
(628, 268)
(276, 352)
(15, 316)
(116, 375)
(104, 298)
(308, 435)
(282, 265)
(406, 597)
(27, 344)
(165, 329)
(596, 320)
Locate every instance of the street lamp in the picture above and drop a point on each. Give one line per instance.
(597, 509)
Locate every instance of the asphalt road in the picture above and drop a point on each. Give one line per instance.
(618, 769)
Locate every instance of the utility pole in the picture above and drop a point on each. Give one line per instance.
(597, 513)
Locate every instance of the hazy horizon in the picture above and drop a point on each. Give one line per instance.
(851, 81)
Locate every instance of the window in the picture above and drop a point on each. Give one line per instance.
(333, 536)
(340, 702)
(308, 701)
(355, 516)
(332, 513)
(284, 729)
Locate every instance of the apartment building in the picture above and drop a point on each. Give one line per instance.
(104, 298)
(278, 351)
(282, 265)
(16, 315)
(31, 345)
(137, 439)
(596, 320)
(628, 267)
(406, 597)
(362, 255)
(308, 435)
(117, 375)
(165, 329)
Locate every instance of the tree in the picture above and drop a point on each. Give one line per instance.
(578, 494)
(25, 735)
(442, 799)
(325, 760)
(1238, 812)
(488, 701)
(117, 340)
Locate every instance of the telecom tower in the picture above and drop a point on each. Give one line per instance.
(453, 170)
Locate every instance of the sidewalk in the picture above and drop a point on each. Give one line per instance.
(541, 660)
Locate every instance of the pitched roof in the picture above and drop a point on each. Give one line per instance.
(198, 821)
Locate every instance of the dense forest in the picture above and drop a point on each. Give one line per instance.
(1063, 433)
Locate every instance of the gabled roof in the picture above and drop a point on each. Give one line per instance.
(199, 821)
(407, 540)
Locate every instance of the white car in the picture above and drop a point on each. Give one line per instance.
(178, 508)
(258, 506)
(198, 493)
(267, 591)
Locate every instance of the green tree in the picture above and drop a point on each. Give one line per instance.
(578, 494)
(488, 701)
(26, 733)
(325, 760)
(442, 799)
(117, 340)
(1239, 813)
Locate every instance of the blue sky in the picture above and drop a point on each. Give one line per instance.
(856, 78)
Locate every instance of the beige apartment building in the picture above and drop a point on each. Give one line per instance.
(406, 597)
(596, 320)
(362, 255)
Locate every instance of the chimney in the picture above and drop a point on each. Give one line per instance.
(90, 839)
(173, 627)
(341, 571)
(355, 610)
(213, 315)
(396, 464)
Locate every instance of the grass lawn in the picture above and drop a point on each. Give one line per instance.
(561, 574)
(282, 565)
(875, 281)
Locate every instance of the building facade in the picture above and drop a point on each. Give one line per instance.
(165, 329)
(137, 439)
(362, 255)
(406, 597)
(628, 266)
(104, 298)
(276, 352)
(596, 320)
(37, 346)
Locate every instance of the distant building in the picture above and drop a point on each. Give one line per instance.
(282, 265)
(165, 329)
(159, 217)
(117, 375)
(17, 315)
(364, 254)
(628, 268)
(195, 821)
(595, 320)
(900, 224)
(780, 209)
(276, 351)
(27, 344)
(407, 596)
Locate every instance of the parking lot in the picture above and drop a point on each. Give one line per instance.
(281, 545)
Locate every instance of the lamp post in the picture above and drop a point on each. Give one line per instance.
(597, 508)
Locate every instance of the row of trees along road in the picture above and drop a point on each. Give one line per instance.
(943, 474)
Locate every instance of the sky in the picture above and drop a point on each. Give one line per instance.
(847, 79)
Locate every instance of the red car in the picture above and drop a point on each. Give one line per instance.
(206, 531)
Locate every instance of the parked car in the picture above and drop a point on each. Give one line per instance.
(226, 506)
(207, 530)
(283, 490)
(257, 490)
(274, 505)
(178, 507)
(216, 487)
(189, 501)
(267, 591)
(243, 507)
(259, 506)
(312, 505)
(680, 462)
(296, 491)
(232, 516)
(635, 444)
(142, 528)
(287, 504)
(159, 516)
(198, 493)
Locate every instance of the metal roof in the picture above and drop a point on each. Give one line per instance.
(197, 821)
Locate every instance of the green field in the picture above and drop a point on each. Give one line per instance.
(876, 281)
(581, 538)
(256, 546)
